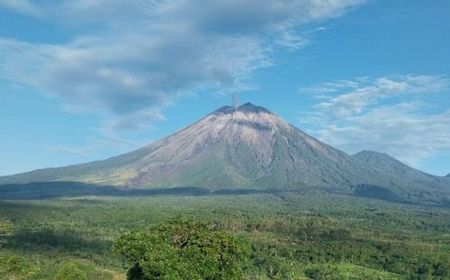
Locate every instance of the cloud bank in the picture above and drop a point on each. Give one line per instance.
(131, 59)
(389, 114)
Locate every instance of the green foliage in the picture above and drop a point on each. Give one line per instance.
(182, 249)
(34, 267)
(15, 267)
(6, 230)
(70, 271)
(291, 236)
(323, 272)
(346, 272)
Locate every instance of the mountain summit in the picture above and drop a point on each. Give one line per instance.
(244, 147)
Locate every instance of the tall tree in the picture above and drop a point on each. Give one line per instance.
(182, 249)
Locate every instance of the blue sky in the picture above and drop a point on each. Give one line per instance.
(83, 80)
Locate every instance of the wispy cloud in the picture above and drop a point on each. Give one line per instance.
(131, 59)
(21, 6)
(367, 114)
(349, 97)
(69, 150)
(103, 143)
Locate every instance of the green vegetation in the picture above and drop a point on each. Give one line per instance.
(70, 271)
(182, 249)
(6, 229)
(308, 236)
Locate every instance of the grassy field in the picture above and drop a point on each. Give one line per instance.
(311, 236)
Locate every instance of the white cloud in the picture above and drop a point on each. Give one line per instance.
(349, 97)
(131, 59)
(21, 6)
(367, 114)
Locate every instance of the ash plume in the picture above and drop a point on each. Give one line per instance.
(235, 100)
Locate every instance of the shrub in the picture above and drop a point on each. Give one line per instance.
(70, 271)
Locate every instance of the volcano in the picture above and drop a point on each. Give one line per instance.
(248, 147)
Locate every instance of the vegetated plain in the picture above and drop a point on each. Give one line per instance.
(315, 235)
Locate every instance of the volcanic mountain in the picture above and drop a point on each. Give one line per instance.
(248, 147)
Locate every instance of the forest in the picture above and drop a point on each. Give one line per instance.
(314, 235)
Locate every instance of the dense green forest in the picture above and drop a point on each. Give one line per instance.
(309, 236)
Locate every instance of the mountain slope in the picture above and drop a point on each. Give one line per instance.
(402, 177)
(247, 147)
(387, 165)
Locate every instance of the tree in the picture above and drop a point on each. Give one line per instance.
(182, 249)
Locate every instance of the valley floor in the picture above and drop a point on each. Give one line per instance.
(313, 236)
